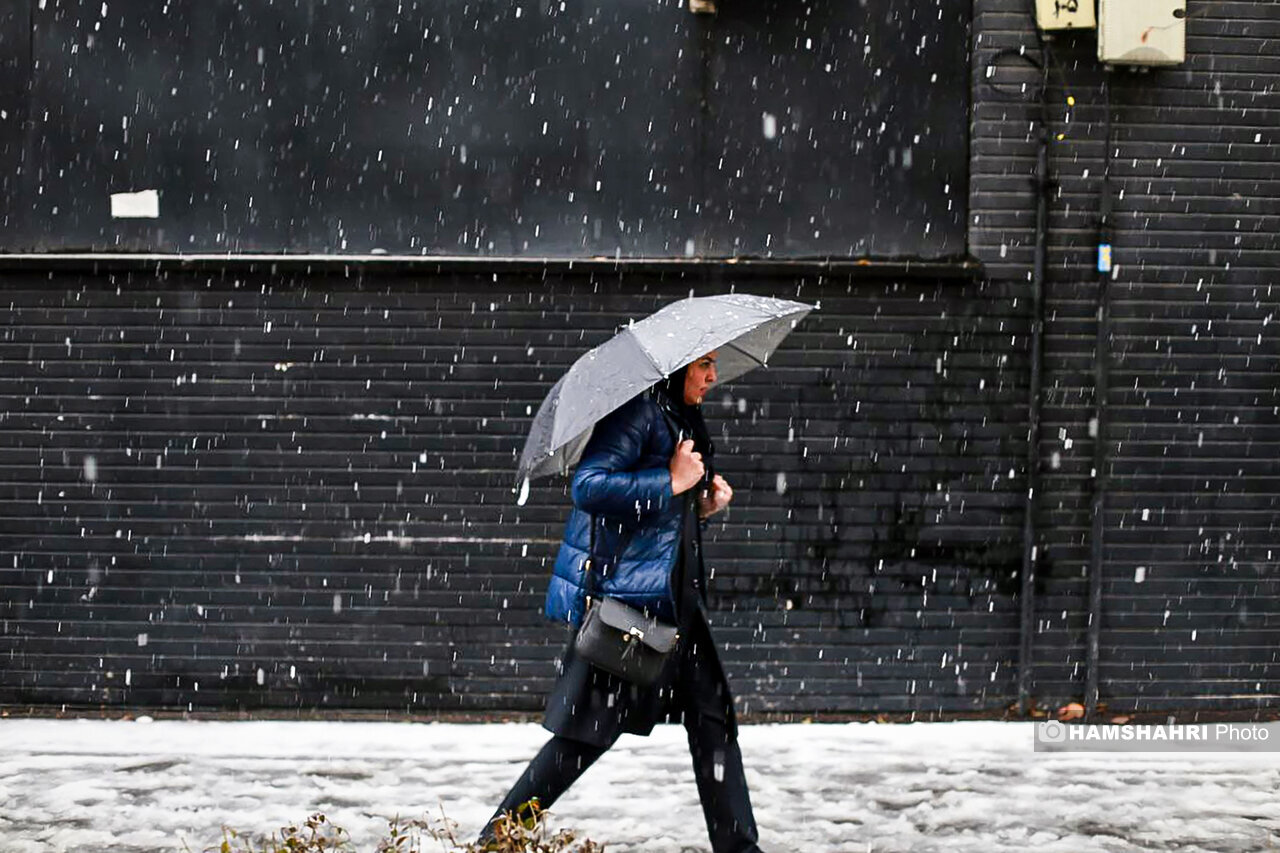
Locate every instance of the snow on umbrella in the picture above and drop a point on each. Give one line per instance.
(744, 329)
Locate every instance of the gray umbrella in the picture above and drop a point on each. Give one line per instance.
(744, 329)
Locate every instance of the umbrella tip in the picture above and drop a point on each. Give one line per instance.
(523, 490)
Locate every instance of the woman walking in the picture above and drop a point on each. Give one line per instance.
(641, 488)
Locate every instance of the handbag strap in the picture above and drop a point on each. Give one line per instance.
(589, 565)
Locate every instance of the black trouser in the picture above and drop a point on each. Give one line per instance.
(717, 766)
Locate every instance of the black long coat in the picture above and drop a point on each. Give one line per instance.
(593, 706)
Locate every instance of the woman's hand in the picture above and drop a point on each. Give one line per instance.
(686, 467)
(716, 498)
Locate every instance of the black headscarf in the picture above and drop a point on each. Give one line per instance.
(669, 394)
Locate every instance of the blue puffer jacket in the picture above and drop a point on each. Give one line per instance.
(622, 481)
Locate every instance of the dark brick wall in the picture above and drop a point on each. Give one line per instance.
(296, 490)
(250, 428)
(1190, 612)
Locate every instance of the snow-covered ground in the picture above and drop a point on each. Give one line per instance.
(86, 786)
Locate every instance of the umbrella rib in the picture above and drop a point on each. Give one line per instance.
(640, 346)
(642, 350)
(734, 346)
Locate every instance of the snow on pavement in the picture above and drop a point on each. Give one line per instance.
(961, 787)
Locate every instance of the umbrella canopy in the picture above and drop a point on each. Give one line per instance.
(744, 329)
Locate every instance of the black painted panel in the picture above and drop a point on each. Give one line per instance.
(571, 129)
(836, 151)
(15, 99)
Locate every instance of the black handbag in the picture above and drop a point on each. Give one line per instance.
(619, 638)
(623, 641)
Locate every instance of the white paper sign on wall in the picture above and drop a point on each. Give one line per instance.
(139, 205)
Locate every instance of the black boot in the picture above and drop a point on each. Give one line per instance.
(556, 766)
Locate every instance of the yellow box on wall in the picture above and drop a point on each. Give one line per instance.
(1064, 14)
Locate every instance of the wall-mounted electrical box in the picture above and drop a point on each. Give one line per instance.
(1150, 32)
(1064, 14)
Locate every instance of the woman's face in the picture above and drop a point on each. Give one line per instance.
(698, 378)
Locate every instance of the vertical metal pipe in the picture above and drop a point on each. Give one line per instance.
(1101, 384)
(1029, 546)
